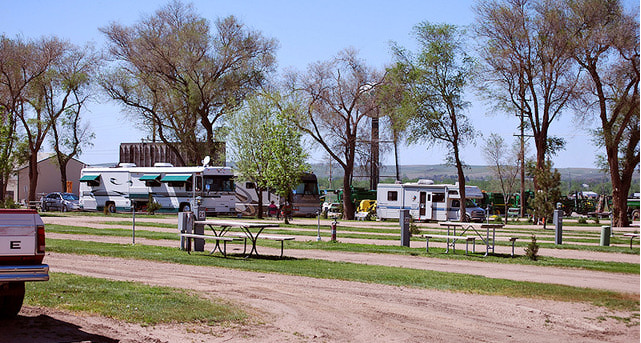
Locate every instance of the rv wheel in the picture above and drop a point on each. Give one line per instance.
(111, 207)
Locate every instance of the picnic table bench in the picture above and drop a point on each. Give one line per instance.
(249, 230)
(513, 240)
(632, 237)
(477, 229)
(190, 236)
(453, 238)
(280, 239)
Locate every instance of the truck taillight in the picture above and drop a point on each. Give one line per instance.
(41, 239)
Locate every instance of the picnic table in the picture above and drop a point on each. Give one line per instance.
(478, 228)
(249, 230)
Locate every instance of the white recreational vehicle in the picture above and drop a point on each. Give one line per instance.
(427, 201)
(305, 198)
(174, 188)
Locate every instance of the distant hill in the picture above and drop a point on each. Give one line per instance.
(441, 172)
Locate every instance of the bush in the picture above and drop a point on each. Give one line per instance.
(414, 230)
(532, 250)
(152, 205)
(582, 220)
(9, 203)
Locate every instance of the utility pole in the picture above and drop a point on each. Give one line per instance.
(522, 158)
(522, 151)
(374, 146)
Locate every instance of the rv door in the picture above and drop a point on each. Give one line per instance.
(425, 205)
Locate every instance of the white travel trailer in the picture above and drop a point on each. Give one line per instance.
(174, 188)
(427, 201)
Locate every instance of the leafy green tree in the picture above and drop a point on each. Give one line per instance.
(266, 146)
(548, 194)
(437, 76)
(247, 136)
(287, 156)
(393, 104)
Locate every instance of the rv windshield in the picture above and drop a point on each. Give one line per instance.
(307, 187)
(469, 203)
(218, 183)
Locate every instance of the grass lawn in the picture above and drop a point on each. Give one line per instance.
(357, 272)
(128, 301)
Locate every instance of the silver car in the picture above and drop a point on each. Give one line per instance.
(60, 201)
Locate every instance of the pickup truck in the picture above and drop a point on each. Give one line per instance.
(22, 249)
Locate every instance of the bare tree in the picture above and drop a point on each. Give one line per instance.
(504, 165)
(335, 99)
(69, 134)
(179, 78)
(32, 67)
(528, 66)
(606, 44)
(21, 62)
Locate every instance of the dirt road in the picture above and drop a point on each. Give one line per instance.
(286, 308)
(300, 309)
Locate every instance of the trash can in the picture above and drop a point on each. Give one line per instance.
(605, 236)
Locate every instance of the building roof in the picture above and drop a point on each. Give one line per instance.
(43, 156)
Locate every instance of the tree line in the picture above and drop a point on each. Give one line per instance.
(187, 80)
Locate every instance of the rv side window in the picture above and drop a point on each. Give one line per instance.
(249, 185)
(392, 196)
(456, 203)
(438, 197)
(199, 183)
(176, 184)
(152, 183)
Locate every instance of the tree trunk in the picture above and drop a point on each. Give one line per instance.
(62, 163)
(3, 189)
(259, 192)
(461, 190)
(540, 140)
(348, 205)
(398, 171)
(33, 176)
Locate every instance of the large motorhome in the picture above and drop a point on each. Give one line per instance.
(174, 188)
(427, 201)
(305, 198)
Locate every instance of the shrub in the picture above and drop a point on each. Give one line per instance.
(9, 203)
(532, 250)
(414, 230)
(582, 220)
(152, 205)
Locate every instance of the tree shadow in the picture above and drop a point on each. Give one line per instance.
(46, 329)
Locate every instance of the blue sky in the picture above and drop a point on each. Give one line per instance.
(308, 31)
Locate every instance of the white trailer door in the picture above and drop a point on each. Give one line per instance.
(425, 205)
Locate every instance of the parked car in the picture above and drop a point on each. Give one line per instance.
(60, 201)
